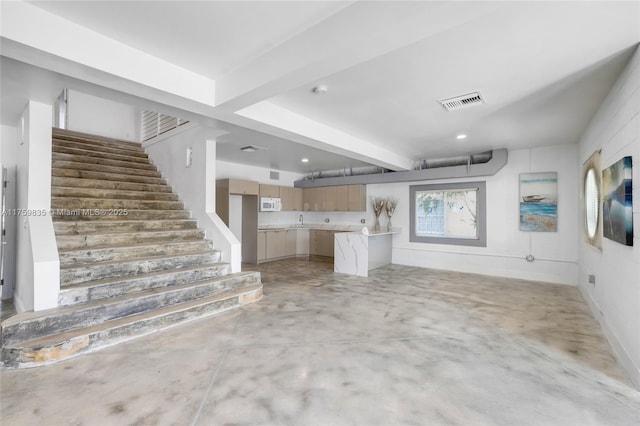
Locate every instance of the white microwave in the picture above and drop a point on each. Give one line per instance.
(268, 204)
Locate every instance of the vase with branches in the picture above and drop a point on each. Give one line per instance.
(390, 208)
(378, 205)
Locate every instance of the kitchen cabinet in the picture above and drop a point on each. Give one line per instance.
(321, 242)
(291, 239)
(276, 244)
(330, 198)
(357, 198)
(248, 191)
(243, 187)
(351, 198)
(262, 245)
(281, 244)
(302, 242)
(291, 198)
(342, 198)
(314, 199)
(272, 191)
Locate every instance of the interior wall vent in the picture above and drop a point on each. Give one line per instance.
(462, 101)
(274, 175)
(252, 148)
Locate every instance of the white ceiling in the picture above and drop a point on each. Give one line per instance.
(543, 68)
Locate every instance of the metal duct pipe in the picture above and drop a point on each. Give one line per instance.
(462, 160)
(351, 171)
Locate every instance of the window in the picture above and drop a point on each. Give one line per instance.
(450, 213)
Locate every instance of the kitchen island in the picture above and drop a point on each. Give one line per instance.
(356, 253)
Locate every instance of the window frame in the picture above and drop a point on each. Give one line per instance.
(481, 214)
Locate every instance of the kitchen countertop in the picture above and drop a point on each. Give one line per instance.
(315, 226)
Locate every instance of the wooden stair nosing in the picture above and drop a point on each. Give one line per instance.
(88, 137)
(76, 182)
(83, 203)
(95, 161)
(84, 273)
(176, 315)
(116, 177)
(124, 171)
(117, 286)
(127, 252)
(116, 194)
(77, 228)
(92, 241)
(64, 214)
(91, 153)
(64, 318)
(109, 149)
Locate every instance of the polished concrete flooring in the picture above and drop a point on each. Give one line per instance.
(404, 346)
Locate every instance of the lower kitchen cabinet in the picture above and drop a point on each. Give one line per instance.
(262, 245)
(321, 242)
(282, 243)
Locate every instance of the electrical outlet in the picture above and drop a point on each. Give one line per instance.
(592, 279)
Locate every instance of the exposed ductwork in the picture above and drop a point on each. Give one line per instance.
(472, 165)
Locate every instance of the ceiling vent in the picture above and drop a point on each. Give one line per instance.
(460, 102)
(252, 148)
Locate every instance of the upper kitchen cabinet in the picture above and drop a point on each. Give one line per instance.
(272, 191)
(291, 198)
(243, 187)
(351, 198)
(314, 199)
(228, 187)
(357, 198)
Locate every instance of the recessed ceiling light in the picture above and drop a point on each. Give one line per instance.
(305, 160)
(461, 136)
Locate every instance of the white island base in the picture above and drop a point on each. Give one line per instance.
(356, 253)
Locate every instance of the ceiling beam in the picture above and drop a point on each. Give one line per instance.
(353, 35)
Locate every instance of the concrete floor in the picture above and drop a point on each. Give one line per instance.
(404, 346)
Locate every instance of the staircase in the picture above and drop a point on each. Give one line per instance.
(132, 261)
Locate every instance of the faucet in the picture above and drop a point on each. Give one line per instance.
(301, 221)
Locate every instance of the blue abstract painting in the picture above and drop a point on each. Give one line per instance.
(617, 206)
(539, 202)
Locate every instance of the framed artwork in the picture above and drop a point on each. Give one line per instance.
(592, 197)
(617, 209)
(539, 202)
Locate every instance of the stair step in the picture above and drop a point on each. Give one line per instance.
(64, 214)
(64, 228)
(65, 345)
(35, 325)
(86, 151)
(94, 241)
(61, 143)
(85, 159)
(119, 177)
(123, 171)
(113, 204)
(61, 191)
(114, 287)
(90, 139)
(107, 184)
(130, 252)
(83, 273)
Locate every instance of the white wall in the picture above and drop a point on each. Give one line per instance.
(8, 160)
(615, 298)
(38, 264)
(507, 246)
(91, 114)
(226, 170)
(195, 184)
